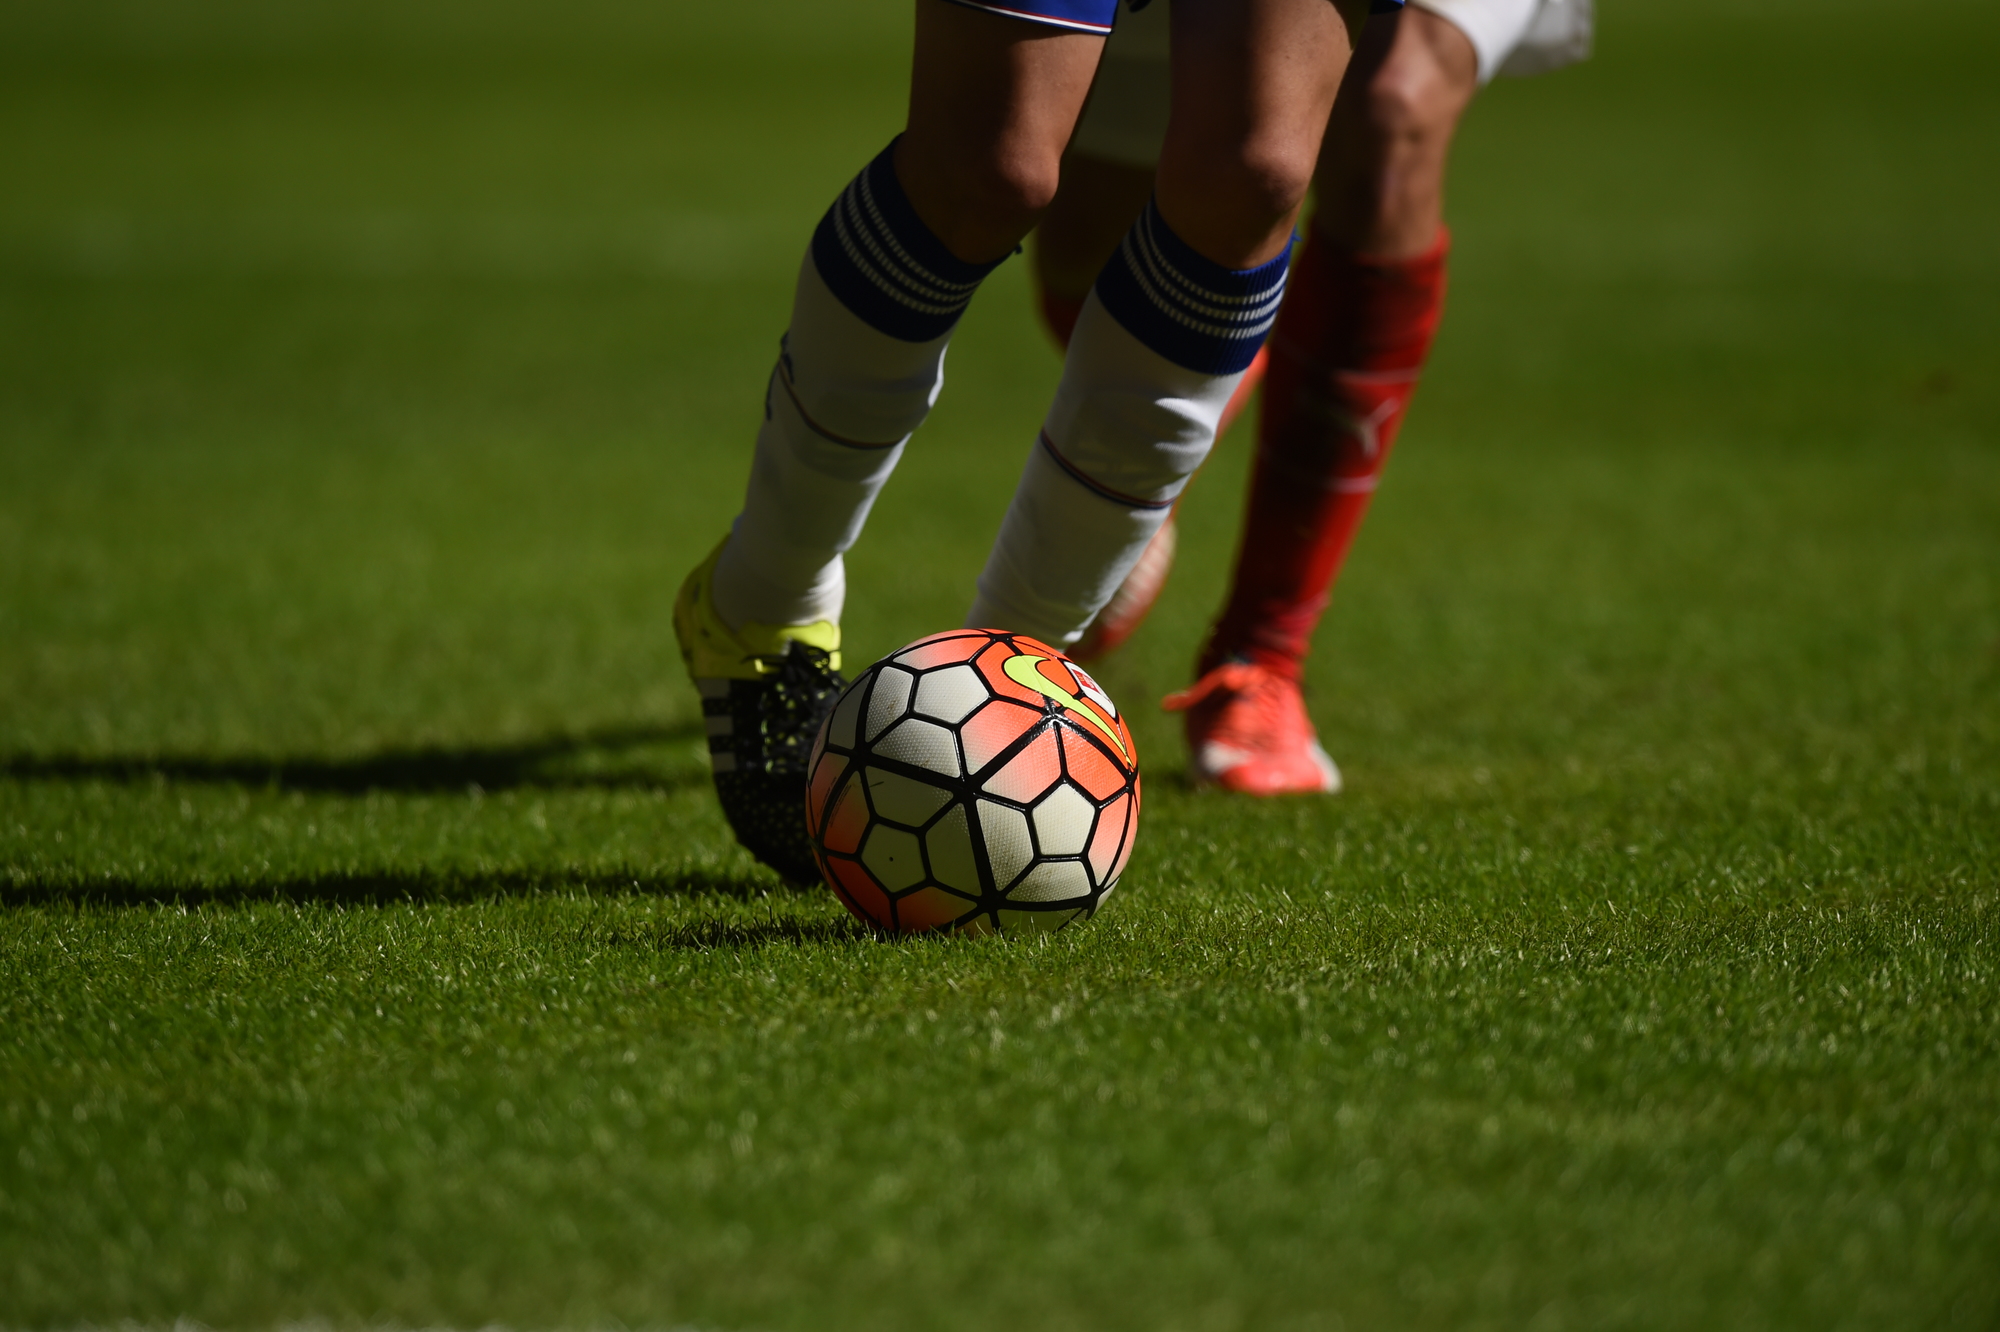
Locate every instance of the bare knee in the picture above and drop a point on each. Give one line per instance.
(992, 103)
(979, 203)
(1381, 178)
(1418, 87)
(1236, 206)
(1017, 182)
(1272, 174)
(1414, 104)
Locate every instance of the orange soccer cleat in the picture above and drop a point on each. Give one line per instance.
(1248, 731)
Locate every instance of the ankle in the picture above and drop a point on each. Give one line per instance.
(1260, 660)
(746, 592)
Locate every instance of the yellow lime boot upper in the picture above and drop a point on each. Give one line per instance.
(712, 650)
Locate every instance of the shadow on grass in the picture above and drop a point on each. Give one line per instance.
(576, 759)
(385, 887)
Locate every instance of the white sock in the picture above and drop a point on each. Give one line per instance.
(862, 362)
(1162, 342)
(840, 404)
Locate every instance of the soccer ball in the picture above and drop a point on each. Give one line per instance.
(976, 780)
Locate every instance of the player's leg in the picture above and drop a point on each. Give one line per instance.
(1381, 177)
(891, 267)
(1345, 356)
(1107, 172)
(1107, 178)
(1096, 205)
(1177, 315)
(1085, 222)
(993, 100)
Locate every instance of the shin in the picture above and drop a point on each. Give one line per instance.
(877, 297)
(1161, 344)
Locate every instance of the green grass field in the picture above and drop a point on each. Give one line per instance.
(372, 950)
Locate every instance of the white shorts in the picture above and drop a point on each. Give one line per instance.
(1519, 37)
(1126, 120)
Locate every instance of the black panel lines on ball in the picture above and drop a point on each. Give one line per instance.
(930, 840)
(1050, 714)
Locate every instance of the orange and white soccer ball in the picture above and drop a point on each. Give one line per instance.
(976, 780)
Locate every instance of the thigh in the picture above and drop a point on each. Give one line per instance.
(993, 100)
(1412, 76)
(1253, 84)
(1381, 173)
(1126, 120)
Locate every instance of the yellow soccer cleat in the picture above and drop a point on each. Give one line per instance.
(714, 651)
(765, 690)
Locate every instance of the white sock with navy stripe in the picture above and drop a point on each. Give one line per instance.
(1162, 341)
(861, 364)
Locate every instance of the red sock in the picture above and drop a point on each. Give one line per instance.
(1345, 356)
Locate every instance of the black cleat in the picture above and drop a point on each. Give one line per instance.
(760, 736)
